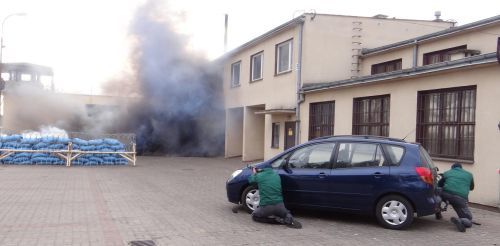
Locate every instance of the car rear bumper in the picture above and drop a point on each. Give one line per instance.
(429, 207)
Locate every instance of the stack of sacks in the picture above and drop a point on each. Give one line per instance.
(19, 142)
(100, 145)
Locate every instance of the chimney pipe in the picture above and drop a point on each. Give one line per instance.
(438, 15)
(225, 32)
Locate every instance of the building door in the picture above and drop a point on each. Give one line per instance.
(289, 134)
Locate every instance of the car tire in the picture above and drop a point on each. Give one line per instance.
(394, 212)
(250, 198)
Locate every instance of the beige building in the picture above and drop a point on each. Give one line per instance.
(441, 90)
(262, 78)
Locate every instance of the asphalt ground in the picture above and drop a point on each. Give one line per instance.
(182, 201)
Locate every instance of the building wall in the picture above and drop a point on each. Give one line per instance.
(403, 103)
(234, 132)
(406, 54)
(328, 41)
(281, 119)
(273, 90)
(327, 55)
(253, 134)
(484, 40)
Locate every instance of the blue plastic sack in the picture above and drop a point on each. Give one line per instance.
(111, 141)
(57, 146)
(79, 141)
(62, 140)
(87, 148)
(39, 146)
(96, 141)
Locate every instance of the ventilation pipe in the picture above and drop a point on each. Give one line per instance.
(226, 17)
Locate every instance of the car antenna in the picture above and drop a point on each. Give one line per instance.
(409, 133)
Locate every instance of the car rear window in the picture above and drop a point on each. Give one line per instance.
(426, 158)
(394, 153)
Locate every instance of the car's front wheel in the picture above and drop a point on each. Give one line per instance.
(250, 198)
(394, 212)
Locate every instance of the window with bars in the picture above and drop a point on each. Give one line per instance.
(446, 122)
(386, 67)
(321, 119)
(275, 141)
(371, 115)
(441, 55)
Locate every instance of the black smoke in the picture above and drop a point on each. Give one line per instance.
(179, 110)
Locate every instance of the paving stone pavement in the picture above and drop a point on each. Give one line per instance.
(182, 201)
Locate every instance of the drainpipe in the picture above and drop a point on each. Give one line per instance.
(415, 54)
(299, 83)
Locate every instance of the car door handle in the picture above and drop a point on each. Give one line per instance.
(322, 175)
(378, 174)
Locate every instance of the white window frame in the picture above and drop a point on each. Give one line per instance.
(252, 59)
(289, 43)
(235, 83)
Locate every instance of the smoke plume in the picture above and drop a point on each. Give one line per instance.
(178, 110)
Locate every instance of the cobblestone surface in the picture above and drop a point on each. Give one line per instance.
(182, 201)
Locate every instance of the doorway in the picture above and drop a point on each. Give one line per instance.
(289, 134)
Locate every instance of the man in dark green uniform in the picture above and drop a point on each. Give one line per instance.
(271, 208)
(457, 183)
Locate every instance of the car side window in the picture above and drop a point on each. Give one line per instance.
(359, 155)
(394, 154)
(312, 156)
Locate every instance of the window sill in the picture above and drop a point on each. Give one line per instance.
(257, 80)
(274, 147)
(234, 86)
(281, 73)
(452, 160)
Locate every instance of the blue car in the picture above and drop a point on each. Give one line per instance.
(386, 177)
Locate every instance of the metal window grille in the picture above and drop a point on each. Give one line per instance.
(321, 119)
(371, 116)
(446, 122)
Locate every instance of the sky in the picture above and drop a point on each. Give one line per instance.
(86, 42)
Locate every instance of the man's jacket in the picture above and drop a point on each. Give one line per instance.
(457, 181)
(269, 186)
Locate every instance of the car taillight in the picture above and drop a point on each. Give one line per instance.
(425, 174)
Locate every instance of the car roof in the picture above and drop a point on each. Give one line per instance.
(371, 138)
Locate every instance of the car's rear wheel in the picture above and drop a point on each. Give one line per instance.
(394, 212)
(250, 198)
